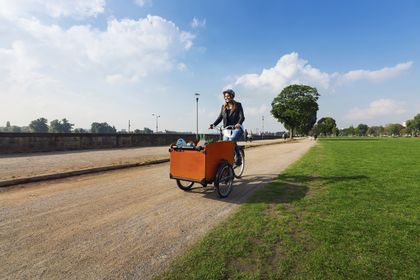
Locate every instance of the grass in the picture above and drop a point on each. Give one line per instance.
(349, 209)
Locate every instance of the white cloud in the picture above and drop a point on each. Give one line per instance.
(256, 111)
(12, 9)
(382, 74)
(47, 70)
(141, 3)
(126, 50)
(288, 69)
(115, 79)
(182, 67)
(197, 23)
(291, 69)
(377, 108)
(257, 89)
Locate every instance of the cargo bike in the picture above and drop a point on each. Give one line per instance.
(211, 164)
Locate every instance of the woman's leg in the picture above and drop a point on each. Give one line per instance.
(236, 135)
(236, 149)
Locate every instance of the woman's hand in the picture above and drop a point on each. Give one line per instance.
(237, 126)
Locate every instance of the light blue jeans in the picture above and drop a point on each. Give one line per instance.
(235, 136)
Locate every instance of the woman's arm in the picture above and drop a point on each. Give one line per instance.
(219, 118)
(241, 114)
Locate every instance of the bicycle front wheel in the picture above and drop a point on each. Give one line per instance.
(239, 169)
(224, 179)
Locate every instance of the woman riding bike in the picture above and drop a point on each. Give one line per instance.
(232, 114)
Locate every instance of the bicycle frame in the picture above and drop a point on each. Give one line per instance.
(238, 169)
(222, 130)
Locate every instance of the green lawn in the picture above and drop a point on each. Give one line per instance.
(348, 210)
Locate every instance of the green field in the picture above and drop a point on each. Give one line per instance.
(349, 209)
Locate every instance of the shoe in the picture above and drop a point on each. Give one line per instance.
(238, 163)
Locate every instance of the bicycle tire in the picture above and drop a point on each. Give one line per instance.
(223, 182)
(239, 169)
(184, 185)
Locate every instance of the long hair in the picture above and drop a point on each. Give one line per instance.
(233, 105)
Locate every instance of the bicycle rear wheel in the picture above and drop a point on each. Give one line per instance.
(184, 185)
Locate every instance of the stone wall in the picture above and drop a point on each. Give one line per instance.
(46, 142)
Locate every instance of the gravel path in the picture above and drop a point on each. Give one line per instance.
(126, 224)
(27, 165)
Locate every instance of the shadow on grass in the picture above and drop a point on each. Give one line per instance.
(274, 188)
(322, 179)
(290, 188)
(350, 139)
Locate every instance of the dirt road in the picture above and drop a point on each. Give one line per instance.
(18, 166)
(121, 224)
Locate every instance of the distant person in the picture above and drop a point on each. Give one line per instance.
(246, 135)
(232, 114)
(250, 135)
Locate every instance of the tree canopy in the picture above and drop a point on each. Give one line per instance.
(102, 128)
(62, 126)
(80, 130)
(413, 125)
(39, 125)
(10, 128)
(296, 107)
(362, 129)
(326, 126)
(376, 130)
(393, 129)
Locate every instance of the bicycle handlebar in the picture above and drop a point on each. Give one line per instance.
(220, 128)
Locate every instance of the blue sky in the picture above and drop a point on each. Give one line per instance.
(114, 61)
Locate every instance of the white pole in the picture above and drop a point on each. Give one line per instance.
(262, 130)
(157, 123)
(196, 100)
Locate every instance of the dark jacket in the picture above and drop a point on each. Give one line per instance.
(231, 118)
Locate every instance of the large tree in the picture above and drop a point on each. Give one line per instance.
(296, 107)
(413, 125)
(102, 128)
(62, 126)
(362, 129)
(350, 131)
(79, 130)
(66, 126)
(375, 130)
(393, 129)
(326, 126)
(39, 125)
(10, 128)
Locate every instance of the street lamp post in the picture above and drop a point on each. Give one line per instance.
(196, 100)
(262, 129)
(157, 122)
